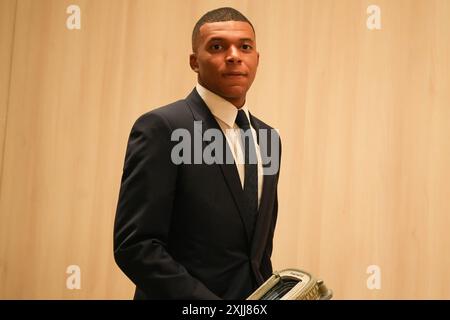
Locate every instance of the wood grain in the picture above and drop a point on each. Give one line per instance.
(364, 117)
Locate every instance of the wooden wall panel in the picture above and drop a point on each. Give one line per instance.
(363, 115)
(7, 17)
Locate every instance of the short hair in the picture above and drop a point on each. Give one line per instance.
(218, 15)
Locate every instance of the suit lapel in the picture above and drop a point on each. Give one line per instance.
(202, 113)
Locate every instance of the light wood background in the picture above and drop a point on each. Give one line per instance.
(364, 117)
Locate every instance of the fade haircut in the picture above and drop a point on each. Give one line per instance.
(218, 15)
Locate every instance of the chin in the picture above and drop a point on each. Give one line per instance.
(235, 91)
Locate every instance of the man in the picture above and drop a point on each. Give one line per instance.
(197, 230)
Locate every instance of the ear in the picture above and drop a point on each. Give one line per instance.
(193, 62)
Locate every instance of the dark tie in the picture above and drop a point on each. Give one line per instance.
(251, 164)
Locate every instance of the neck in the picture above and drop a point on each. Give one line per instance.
(237, 102)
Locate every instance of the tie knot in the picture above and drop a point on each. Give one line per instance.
(242, 120)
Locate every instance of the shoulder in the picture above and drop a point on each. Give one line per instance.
(170, 116)
(270, 132)
(261, 124)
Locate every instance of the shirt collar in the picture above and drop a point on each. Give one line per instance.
(219, 107)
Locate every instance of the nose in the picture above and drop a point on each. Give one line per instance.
(233, 55)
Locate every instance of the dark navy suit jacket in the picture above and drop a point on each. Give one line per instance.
(182, 231)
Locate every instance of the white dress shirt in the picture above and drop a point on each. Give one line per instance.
(225, 113)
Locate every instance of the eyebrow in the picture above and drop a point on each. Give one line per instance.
(222, 39)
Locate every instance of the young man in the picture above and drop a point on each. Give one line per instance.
(196, 229)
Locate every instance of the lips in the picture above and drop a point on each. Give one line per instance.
(235, 74)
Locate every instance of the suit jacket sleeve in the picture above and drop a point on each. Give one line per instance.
(266, 262)
(144, 213)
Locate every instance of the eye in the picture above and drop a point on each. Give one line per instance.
(216, 47)
(247, 47)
